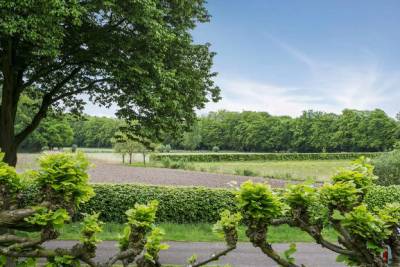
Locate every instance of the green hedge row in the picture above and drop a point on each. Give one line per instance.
(183, 204)
(209, 157)
(176, 204)
(378, 196)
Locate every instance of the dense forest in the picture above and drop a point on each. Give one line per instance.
(313, 131)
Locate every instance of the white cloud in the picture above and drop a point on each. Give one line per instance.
(329, 88)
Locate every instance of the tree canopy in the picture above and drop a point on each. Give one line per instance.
(313, 131)
(137, 54)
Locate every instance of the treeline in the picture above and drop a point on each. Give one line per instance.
(248, 131)
(313, 131)
(65, 130)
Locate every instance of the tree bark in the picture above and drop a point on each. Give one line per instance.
(8, 107)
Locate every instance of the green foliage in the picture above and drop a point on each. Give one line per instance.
(215, 157)
(360, 173)
(246, 172)
(360, 222)
(288, 254)
(154, 245)
(227, 222)
(378, 196)
(215, 149)
(45, 217)
(387, 168)
(66, 174)
(176, 204)
(93, 131)
(186, 204)
(257, 202)
(341, 195)
(139, 219)
(106, 59)
(142, 216)
(313, 131)
(53, 131)
(390, 214)
(62, 261)
(300, 195)
(9, 179)
(90, 227)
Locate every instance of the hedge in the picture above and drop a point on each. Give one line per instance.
(378, 196)
(184, 204)
(176, 204)
(210, 157)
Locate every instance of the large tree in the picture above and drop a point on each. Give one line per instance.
(137, 54)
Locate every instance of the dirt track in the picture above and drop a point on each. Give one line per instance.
(106, 172)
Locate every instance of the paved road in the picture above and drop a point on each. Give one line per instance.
(244, 256)
(106, 172)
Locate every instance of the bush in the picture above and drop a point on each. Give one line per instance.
(378, 196)
(214, 157)
(246, 172)
(166, 162)
(177, 204)
(387, 168)
(182, 204)
(215, 149)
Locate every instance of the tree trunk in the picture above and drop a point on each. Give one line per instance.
(7, 142)
(130, 158)
(144, 159)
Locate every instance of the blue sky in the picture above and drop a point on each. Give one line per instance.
(285, 56)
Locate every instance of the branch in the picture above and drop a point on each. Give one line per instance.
(8, 238)
(267, 249)
(121, 255)
(79, 91)
(11, 218)
(285, 220)
(215, 257)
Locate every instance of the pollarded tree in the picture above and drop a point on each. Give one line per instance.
(137, 54)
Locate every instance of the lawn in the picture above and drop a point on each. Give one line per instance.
(319, 170)
(196, 233)
(290, 170)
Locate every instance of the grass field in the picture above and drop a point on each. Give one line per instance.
(197, 233)
(291, 170)
(320, 170)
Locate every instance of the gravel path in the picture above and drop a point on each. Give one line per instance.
(244, 256)
(106, 172)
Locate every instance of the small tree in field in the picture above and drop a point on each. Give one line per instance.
(128, 146)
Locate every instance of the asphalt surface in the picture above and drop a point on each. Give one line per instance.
(311, 255)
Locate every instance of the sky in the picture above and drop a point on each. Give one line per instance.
(286, 56)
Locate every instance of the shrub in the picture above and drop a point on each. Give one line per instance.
(246, 172)
(215, 157)
(365, 217)
(378, 196)
(387, 168)
(215, 149)
(176, 204)
(167, 148)
(166, 162)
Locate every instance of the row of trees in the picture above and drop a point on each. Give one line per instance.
(313, 131)
(57, 131)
